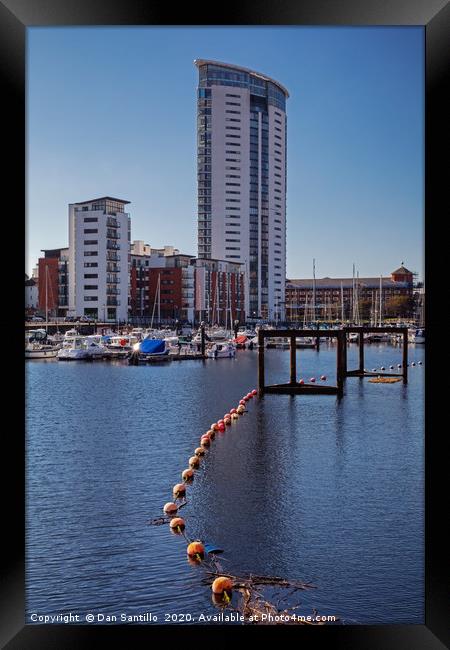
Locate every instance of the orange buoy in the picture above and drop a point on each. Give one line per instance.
(221, 585)
(249, 396)
(235, 416)
(205, 441)
(179, 490)
(196, 551)
(211, 434)
(213, 426)
(170, 508)
(219, 422)
(301, 382)
(323, 377)
(240, 409)
(227, 422)
(194, 462)
(242, 402)
(187, 475)
(312, 380)
(177, 525)
(254, 392)
(232, 411)
(199, 451)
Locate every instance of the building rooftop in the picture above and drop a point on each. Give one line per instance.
(335, 283)
(102, 198)
(259, 75)
(402, 271)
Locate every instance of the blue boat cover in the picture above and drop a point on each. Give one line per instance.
(106, 339)
(152, 346)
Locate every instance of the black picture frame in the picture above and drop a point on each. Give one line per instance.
(15, 17)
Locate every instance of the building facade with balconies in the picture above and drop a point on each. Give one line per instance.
(241, 172)
(162, 286)
(99, 259)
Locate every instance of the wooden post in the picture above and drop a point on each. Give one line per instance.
(344, 354)
(405, 357)
(341, 342)
(317, 340)
(361, 352)
(260, 363)
(293, 360)
(202, 332)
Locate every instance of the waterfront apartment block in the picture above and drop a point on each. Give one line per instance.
(53, 282)
(99, 249)
(352, 298)
(241, 172)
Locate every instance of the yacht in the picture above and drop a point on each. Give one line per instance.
(40, 346)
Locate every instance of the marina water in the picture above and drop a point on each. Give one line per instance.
(312, 488)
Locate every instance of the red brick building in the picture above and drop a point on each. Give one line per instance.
(162, 286)
(53, 281)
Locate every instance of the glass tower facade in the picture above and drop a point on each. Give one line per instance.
(241, 173)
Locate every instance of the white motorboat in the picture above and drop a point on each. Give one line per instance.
(73, 349)
(304, 342)
(95, 347)
(120, 346)
(221, 350)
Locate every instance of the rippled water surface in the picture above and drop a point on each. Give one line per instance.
(309, 487)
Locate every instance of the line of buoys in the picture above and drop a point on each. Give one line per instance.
(222, 587)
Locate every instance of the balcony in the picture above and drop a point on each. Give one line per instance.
(112, 302)
(113, 234)
(113, 268)
(112, 291)
(112, 245)
(112, 256)
(112, 223)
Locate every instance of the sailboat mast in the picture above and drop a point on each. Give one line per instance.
(314, 292)
(46, 298)
(159, 299)
(381, 299)
(342, 302)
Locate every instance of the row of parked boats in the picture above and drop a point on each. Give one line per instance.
(141, 345)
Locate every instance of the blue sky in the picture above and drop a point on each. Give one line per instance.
(112, 111)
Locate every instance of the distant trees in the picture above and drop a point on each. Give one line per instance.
(399, 306)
